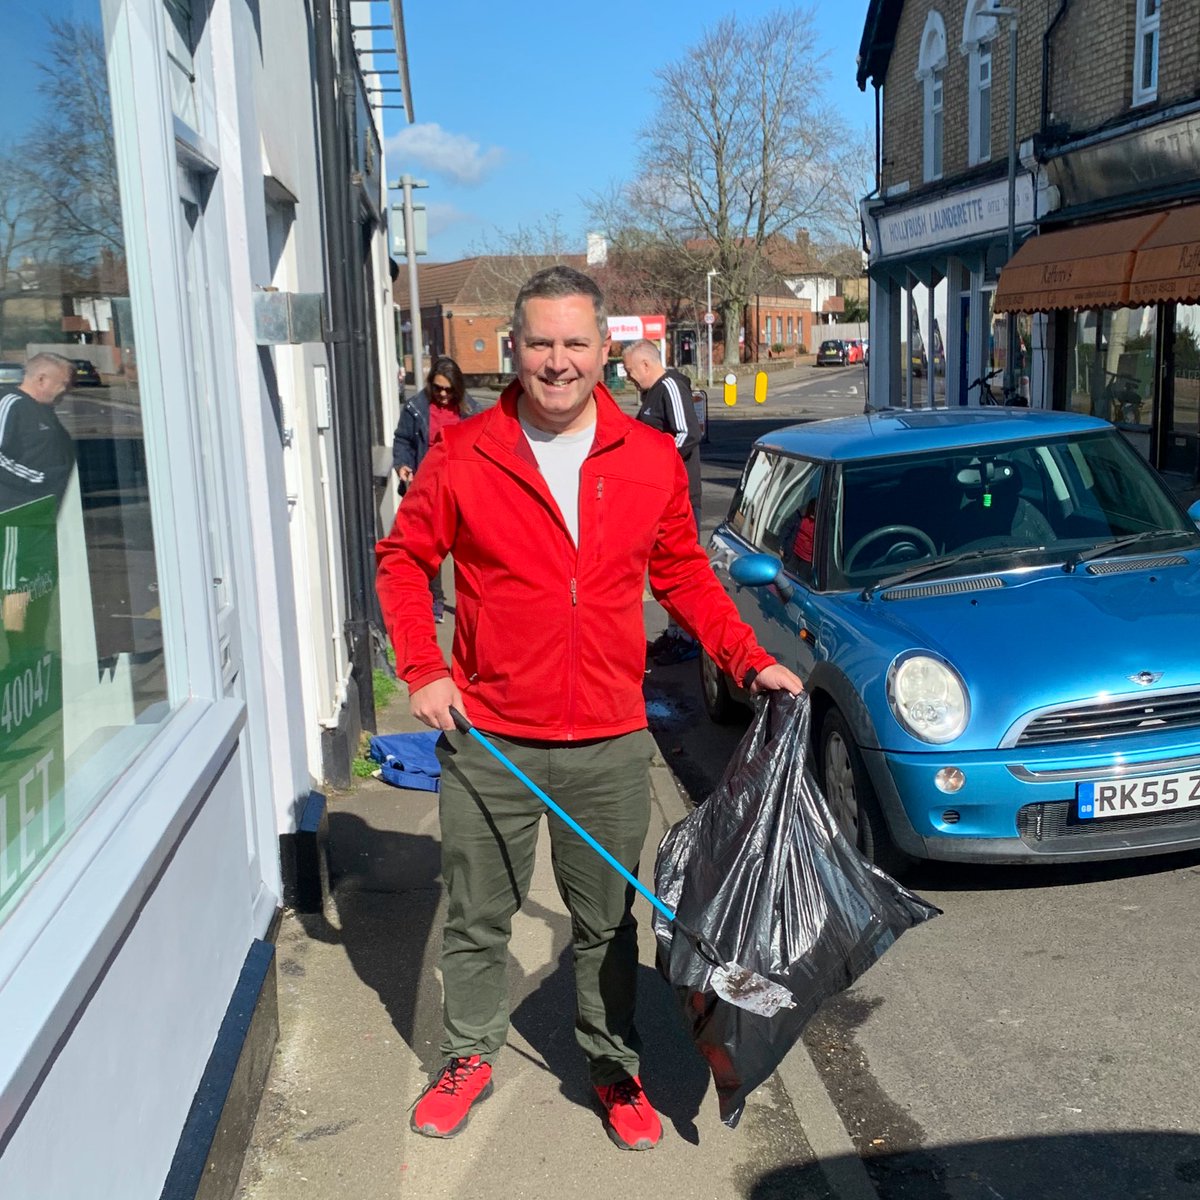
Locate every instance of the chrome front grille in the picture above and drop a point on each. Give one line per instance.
(1114, 718)
(1057, 821)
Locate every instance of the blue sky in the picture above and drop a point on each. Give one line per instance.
(521, 111)
(525, 110)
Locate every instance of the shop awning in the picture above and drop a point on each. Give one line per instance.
(1167, 266)
(1087, 266)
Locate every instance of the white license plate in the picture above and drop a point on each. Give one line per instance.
(1151, 793)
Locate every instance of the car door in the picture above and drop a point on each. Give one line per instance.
(790, 528)
(777, 495)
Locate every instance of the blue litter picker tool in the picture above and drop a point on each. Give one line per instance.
(733, 983)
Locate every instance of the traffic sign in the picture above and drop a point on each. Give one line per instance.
(710, 318)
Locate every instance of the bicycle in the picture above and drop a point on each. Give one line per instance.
(1011, 397)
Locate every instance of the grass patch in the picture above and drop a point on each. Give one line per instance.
(385, 687)
(363, 768)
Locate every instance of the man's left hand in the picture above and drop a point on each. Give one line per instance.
(777, 678)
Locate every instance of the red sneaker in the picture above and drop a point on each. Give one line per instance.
(445, 1105)
(632, 1123)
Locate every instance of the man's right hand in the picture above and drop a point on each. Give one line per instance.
(405, 474)
(432, 703)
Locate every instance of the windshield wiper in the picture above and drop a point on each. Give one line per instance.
(1111, 549)
(914, 573)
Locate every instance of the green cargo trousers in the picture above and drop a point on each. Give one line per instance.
(489, 836)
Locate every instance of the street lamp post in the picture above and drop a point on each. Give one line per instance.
(407, 183)
(708, 320)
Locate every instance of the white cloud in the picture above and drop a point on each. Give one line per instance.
(445, 216)
(454, 155)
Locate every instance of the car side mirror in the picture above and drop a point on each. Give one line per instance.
(759, 570)
(1194, 512)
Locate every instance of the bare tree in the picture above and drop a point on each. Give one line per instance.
(69, 158)
(742, 155)
(509, 259)
(22, 221)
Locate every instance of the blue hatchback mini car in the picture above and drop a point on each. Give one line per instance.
(997, 616)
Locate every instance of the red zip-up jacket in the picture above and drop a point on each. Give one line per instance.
(549, 638)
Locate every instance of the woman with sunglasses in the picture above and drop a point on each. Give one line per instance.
(442, 401)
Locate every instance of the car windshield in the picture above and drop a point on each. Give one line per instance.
(1036, 501)
(830, 346)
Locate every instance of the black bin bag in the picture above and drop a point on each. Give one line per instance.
(763, 874)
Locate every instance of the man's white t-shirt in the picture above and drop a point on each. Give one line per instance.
(559, 457)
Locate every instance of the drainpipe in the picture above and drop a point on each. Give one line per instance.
(341, 260)
(1063, 5)
(879, 135)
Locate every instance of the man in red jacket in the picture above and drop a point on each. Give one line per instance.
(555, 505)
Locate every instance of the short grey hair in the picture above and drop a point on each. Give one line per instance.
(552, 283)
(47, 358)
(643, 348)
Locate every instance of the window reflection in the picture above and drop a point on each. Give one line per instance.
(82, 677)
(1110, 370)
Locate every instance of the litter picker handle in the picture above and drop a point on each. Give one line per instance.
(465, 726)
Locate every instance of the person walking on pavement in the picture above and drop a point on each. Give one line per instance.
(666, 405)
(441, 402)
(554, 505)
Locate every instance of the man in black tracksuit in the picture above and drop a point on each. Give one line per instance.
(667, 406)
(37, 457)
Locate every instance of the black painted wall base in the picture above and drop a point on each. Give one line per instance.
(304, 858)
(212, 1146)
(339, 746)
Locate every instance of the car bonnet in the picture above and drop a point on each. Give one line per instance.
(1026, 640)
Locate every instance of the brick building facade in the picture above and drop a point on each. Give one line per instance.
(1107, 168)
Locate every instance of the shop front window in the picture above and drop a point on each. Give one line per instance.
(83, 680)
(1110, 368)
(916, 373)
(1187, 369)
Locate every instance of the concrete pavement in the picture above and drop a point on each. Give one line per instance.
(360, 996)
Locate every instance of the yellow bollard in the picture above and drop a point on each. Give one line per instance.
(760, 387)
(731, 389)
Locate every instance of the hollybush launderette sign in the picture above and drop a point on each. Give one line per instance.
(962, 216)
(32, 805)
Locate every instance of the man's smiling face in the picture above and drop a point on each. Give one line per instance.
(560, 358)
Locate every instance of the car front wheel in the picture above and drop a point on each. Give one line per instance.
(719, 703)
(851, 796)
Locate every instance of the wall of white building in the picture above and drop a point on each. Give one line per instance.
(118, 959)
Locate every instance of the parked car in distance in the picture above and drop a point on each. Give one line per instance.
(854, 351)
(11, 372)
(994, 614)
(86, 374)
(833, 352)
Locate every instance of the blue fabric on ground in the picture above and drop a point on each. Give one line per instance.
(408, 760)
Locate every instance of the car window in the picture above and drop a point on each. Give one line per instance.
(1063, 495)
(747, 500)
(1112, 491)
(789, 523)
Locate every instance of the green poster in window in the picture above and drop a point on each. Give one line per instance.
(32, 804)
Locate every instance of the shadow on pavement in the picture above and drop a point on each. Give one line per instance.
(387, 893)
(673, 1073)
(1125, 1165)
(977, 877)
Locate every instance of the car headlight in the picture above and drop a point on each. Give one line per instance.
(928, 697)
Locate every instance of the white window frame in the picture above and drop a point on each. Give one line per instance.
(979, 30)
(1146, 29)
(58, 941)
(931, 68)
(977, 151)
